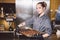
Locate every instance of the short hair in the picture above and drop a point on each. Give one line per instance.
(43, 4)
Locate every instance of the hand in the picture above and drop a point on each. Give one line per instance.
(21, 24)
(45, 35)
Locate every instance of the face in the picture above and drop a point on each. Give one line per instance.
(40, 9)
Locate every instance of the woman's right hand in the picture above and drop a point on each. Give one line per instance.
(21, 24)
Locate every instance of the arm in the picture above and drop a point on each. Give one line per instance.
(27, 22)
(48, 29)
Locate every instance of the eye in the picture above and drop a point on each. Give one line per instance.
(39, 7)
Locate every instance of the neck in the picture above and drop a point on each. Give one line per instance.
(41, 14)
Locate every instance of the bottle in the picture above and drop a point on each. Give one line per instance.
(2, 14)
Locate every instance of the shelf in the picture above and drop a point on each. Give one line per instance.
(6, 31)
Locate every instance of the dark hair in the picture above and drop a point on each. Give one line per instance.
(43, 4)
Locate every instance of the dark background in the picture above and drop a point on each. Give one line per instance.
(8, 7)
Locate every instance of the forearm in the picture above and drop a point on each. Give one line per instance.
(22, 24)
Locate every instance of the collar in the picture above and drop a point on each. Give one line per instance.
(41, 14)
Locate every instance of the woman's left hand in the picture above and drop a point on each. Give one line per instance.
(45, 35)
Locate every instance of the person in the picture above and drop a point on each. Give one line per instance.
(41, 22)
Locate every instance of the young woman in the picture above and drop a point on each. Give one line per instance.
(41, 22)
